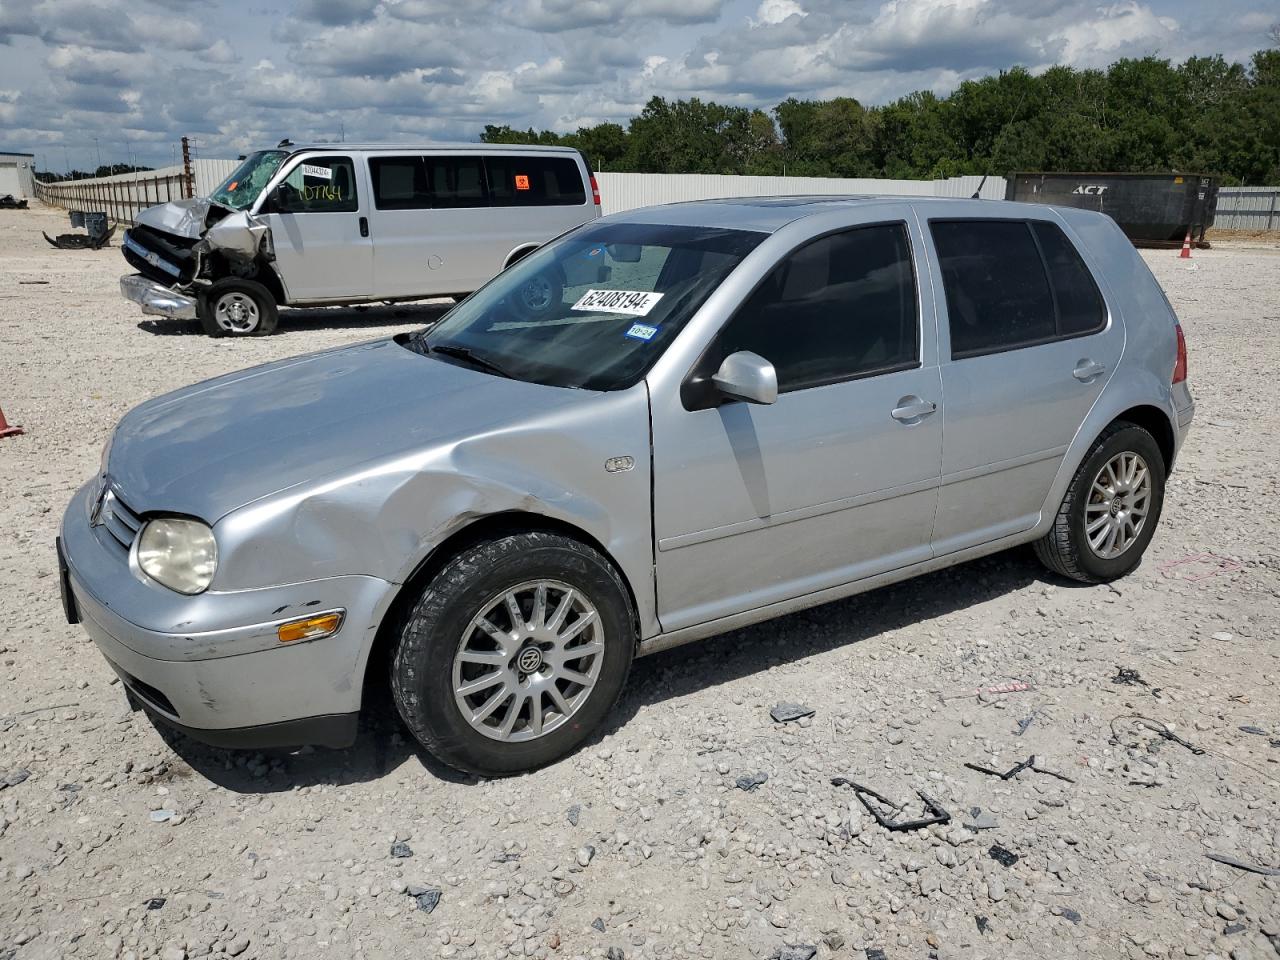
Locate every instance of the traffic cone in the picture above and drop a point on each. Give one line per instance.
(6, 430)
(1186, 246)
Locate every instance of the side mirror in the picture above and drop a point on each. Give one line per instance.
(747, 376)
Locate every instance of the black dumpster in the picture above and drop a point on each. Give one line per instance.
(1151, 208)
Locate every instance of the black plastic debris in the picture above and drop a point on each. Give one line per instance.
(1006, 858)
(615, 953)
(400, 850)
(875, 953)
(1157, 727)
(14, 778)
(1242, 865)
(1072, 915)
(794, 951)
(155, 903)
(98, 233)
(9, 202)
(598, 924)
(428, 897)
(886, 812)
(983, 924)
(787, 712)
(751, 781)
(508, 857)
(1233, 928)
(1256, 731)
(1027, 764)
(573, 814)
(1128, 678)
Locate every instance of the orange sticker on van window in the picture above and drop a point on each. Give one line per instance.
(522, 181)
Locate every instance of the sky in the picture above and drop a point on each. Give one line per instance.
(125, 79)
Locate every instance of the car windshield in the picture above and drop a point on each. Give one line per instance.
(240, 189)
(593, 309)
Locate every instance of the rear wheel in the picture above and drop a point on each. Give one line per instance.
(1111, 509)
(514, 653)
(235, 307)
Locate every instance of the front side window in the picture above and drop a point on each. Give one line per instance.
(840, 307)
(594, 309)
(318, 185)
(240, 189)
(534, 181)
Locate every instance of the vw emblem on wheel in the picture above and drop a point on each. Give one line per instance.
(530, 660)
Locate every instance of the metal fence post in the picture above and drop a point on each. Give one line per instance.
(1272, 212)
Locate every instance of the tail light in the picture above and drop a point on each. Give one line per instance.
(595, 191)
(1180, 365)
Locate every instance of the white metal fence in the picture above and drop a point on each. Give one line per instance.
(123, 195)
(1248, 208)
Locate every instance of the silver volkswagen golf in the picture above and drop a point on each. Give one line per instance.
(663, 425)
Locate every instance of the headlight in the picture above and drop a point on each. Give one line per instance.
(180, 554)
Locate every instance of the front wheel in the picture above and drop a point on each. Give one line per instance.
(1111, 509)
(514, 653)
(235, 307)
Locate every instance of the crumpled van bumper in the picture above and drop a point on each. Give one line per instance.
(156, 299)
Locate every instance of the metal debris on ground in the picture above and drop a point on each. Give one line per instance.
(400, 850)
(598, 924)
(979, 819)
(1242, 865)
(983, 924)
(750, 781)
(786, 712)
(428, 897)
(934, 813)
(1131, 678)
(1155, 726)
(1027, 764)
(155, 903)
(1006, 858)
(1256, 731)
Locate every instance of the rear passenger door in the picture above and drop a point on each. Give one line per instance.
(1027, 346)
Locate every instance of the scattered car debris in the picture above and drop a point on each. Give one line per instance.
(1006, 858)
(933, 810)
(1242, 865)
(983, 924)
(428, 897)
(1256, 731)
(751, 781)
(1013, 686)
(1198, 566)
(598, 924)
(1131, 678)
(573, 814)
(155, 903)
(1155, 726)
(794, 951)
(1072, 915)
(33, 283)
(1027, 764)
(787, 712)
(507, 858)
(10, 202)
(979, 819)
(162, 816)
(1233, 928)
(14, 778)
(400, 849)
(96, 236)
(875, 953)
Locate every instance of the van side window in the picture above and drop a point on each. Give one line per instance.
(534, 181)
(319, 185)
(839, 308)
(399, 183)
(1080, 306)
(456, 181)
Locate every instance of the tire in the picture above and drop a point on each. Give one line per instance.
(234, 307)
(428, 669)
(539, 295)
(1066, 549)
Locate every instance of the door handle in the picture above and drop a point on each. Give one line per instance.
(1087, 369)
(364, 226)
(912, 409)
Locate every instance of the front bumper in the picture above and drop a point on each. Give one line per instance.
(210, 665)
(156, 299)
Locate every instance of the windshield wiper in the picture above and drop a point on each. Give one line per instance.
(470, 356)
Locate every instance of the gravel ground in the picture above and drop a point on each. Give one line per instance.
(122, 843)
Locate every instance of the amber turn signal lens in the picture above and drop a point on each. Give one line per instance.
(312, 628)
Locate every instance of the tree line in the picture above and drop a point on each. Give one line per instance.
(1204, 115)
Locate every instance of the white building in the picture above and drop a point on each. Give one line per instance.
(17, 174)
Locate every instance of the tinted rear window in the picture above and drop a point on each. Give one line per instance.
(534, 181)
(399, 183)
(1080, 306)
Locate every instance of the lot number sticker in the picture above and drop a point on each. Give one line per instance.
(320, 173)
(634, 303)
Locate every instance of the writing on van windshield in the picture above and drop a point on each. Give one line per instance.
(322, 193)
(634, 303)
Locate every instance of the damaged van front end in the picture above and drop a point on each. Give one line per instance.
(182, 247)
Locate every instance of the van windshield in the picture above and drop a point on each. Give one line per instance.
(240, 189)
(593, 309)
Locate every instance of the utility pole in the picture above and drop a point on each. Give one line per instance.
(99, 151)
(66, 159)
(188, 179)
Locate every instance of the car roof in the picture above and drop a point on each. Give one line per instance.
(430, 146)
(769, 214)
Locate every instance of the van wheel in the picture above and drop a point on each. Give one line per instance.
(1111, 509)
(234, 307)
(514, 653)
(539, 295)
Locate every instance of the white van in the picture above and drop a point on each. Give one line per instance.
(352, 223)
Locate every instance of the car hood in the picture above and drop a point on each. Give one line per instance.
(182, 218)
(213, 447)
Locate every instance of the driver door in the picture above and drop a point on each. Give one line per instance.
(319, 220)
(838, 479)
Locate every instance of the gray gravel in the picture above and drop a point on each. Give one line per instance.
(641, 845)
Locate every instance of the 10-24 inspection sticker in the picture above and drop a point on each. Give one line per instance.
(633, 303)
